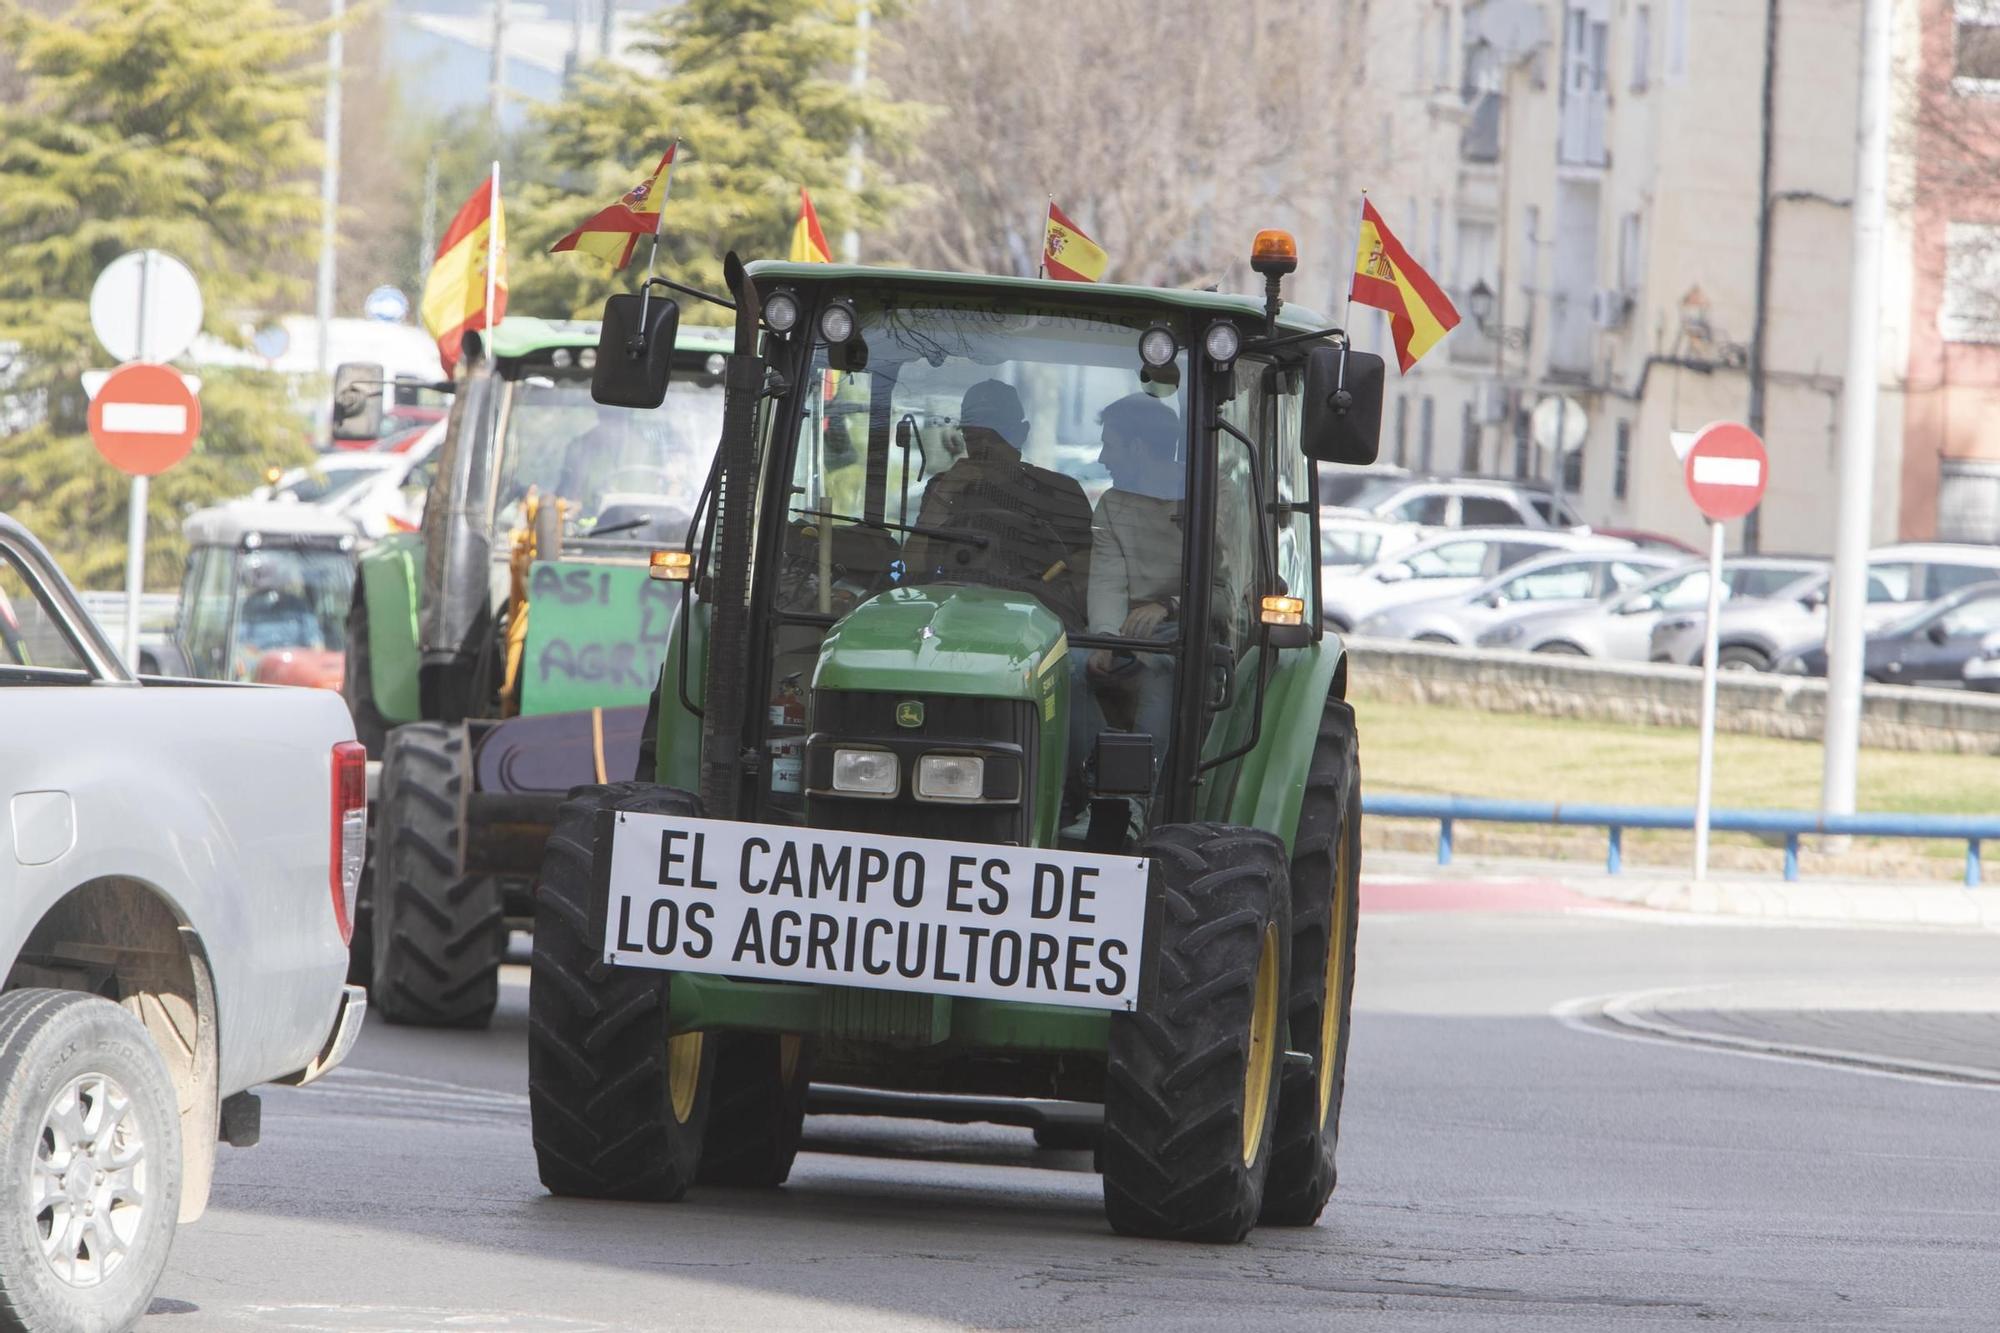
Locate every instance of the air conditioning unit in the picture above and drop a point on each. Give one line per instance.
(1610, 307)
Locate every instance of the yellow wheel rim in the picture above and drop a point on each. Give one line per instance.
(1336, 962)
(1263, 1043)
(683, 1073)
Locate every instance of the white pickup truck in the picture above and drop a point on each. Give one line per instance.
(178, 863)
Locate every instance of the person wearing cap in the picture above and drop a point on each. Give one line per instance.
(1043, 538)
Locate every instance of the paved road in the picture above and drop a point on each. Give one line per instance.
(1503, 1166)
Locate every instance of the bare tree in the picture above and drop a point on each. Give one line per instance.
(1170, 130)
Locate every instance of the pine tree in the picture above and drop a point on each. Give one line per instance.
(758, 93)
(184, 127)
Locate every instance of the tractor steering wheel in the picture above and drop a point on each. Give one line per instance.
(990, 564)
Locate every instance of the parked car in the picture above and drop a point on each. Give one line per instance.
(1932, 647)
(1621, 627)
(1460, 502)
(1445, 562)
(174, 919)
(1565, 578)
(1347, 541)
(1752, 634)
(380, 491)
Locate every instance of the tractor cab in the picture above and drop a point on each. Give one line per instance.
(265, 595)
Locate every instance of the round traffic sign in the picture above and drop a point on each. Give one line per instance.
(144, 419)
(146, 306)
(1726, 470)
(386, 304)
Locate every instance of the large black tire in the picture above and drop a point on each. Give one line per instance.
(357, 687)
(54, 1045)
(439, 933)
(618, 1109)
(1326, 889)
(756, 1110)
(1191, 1093)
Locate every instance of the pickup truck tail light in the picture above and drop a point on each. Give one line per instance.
(350, 831)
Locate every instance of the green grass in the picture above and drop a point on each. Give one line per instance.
(1431, 750)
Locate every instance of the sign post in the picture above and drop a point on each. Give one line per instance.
(145, 306)
(1726, 472)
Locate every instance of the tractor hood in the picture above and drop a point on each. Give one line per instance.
(988, 642)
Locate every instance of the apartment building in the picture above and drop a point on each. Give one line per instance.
(1644, 235)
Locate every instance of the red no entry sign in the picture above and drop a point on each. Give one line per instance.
(1726, 471)
(144, 419)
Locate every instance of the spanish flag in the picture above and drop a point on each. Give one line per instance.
(457, 290)
(1067, 254)
(808, 241)
(1385, 276)
(610, 234)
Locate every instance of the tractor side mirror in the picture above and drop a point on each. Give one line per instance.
(1343, 407)
(357, 401)
(635, 350)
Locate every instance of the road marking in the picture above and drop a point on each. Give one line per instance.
(407, 1319)
(1612, 1016)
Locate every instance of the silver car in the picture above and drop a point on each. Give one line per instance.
(1753, 633)
(1447, 562)
(1621, 627)
(1457, 502)
(1565, 578)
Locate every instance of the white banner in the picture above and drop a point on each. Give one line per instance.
(776, 903)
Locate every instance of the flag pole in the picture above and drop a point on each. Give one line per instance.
(1346, 315)
(492, 252)
(659, 222)
(1048, 215)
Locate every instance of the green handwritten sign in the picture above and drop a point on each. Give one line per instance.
(597, 634)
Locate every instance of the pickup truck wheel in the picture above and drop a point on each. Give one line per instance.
(1326, 889)
(756, 1110)
(618, 1106)
(1191, 1089)
(439, 933)
(357, 687)
(90, 1157)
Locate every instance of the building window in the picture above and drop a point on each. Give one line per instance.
(1573, 470)
(1468, 449)
(1970, 309)
(1975, 66)
(1642, 46)
(1677, 41)
(1621, 461)
(1426, 433)
(1628, 254)
(1402, 432)
(1521, 420)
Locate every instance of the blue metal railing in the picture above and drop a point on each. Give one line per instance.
(1615, 819)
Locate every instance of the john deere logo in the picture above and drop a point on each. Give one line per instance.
(910, 713)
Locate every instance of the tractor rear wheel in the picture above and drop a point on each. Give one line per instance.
(756, 1109)
(619, 1106)
(439, 933)
(1191, 1095)
(1326, 886)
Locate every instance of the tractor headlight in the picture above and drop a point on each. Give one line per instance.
(836, 322)
(781, 312)
(864, 772)
(951, 777)
(1222, 343)
(1157, 347)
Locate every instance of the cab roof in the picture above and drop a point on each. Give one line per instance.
(1294, 318)
(524, 335)
(273, 522)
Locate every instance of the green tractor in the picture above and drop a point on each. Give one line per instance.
(999, 751)
(504, 653)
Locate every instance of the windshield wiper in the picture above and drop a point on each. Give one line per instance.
(606, 529)
(979, 539)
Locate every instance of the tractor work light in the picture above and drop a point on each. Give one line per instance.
(864, 772)
(1157, 347)
(587, 358)
(837, 322)
(670, 566)
(951, 777)
(1282, 611)
(1274, 253)
(781, 312)
(1222, 343)
(559, 358)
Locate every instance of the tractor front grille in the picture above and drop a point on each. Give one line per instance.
(1005, 728)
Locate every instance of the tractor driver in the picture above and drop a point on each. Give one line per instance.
(1037, 522)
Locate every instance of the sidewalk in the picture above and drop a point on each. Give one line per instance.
(1911, 903)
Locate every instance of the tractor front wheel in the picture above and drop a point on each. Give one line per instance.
(1191, 1095)
(438, 932)
(618, 1105)
(757, 1109)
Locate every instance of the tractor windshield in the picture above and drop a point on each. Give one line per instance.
(979, 445)
(623, 476)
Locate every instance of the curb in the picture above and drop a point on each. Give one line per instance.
(1828, 902)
